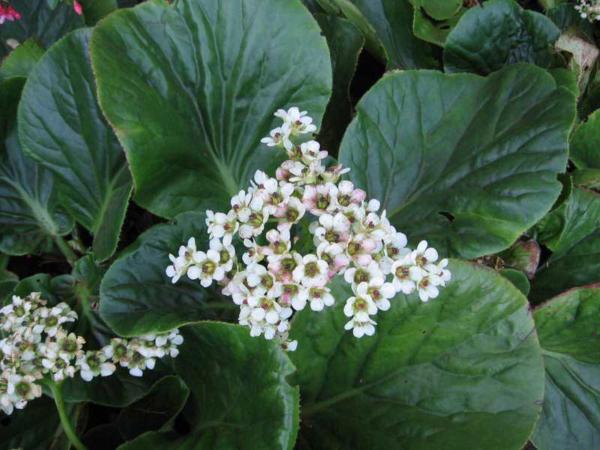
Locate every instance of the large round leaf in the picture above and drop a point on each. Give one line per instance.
(467, 162)
(61, 126)
(464, 368)
(29, 211)
(575, 260)
(569, 333)
(497, 33)
(137, 297)
(191, 88)
(39, 21)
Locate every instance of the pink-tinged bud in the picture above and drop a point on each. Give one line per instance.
(368, 245)
(358, 196)
(77, 7)
(364, 260)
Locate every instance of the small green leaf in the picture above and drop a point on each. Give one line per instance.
(156, 410)
(136, 296)
(518, 279)
(435, 32)
(439, 9)
(585, 143)
(39, 21)
(21, 60)
(53, 289)
(523, 256)
(467, 162)
(576, 247)
(62, 128)
(498, 33)
(191, 88)
(465, 367)
(569, 333)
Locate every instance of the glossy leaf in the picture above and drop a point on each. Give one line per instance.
(190, 90)
(155, 410)
(576, 248)
(39, 21)
(569, 334)
(498, 33)
(523, 256)
(463, 368)
(466, 162)
(29, 211)
(137, 297)
(518, 279)
(585, 143)
(433, 31)
(61, 126)
(345, 44)
(53, 289)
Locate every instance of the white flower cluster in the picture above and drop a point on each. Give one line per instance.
(351, 238)
(589, 9)
(36, 346)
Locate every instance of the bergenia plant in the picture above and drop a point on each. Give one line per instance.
(307, 200)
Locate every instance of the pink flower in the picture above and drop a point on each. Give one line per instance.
(9, 14)
(77, 7)
(321, 198)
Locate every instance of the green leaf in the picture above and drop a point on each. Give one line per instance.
(463, 368)
(94, 10)
(240, 397)
(497, 33)
(38, 21)
(585, 143)
(569, 334)
(29, 211)
(576, 247)
(8, 281)
(190, 90)
(156, 410)
(469, 163)
(432, 31)
(21, 61)
(587, 178)
(53, 289)
(239, 394)
(518, 279)
(439, 9)
(345, 44)
(523, 256)
(62, 128)
(136, 296)
(391, 21)
(117, 390)
(37, 427)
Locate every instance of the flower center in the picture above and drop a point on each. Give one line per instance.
(361, 276)
(311, 269)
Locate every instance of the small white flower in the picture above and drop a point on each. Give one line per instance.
(206, 268)
(424, 255)
(311, 272)
(221, 225)
(279, 137)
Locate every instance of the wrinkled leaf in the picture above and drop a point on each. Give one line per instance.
(474, 167)
(569, 334)
(498, 33)
(62, 128)
(190, 90)
(137, 297)
(463, 368)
